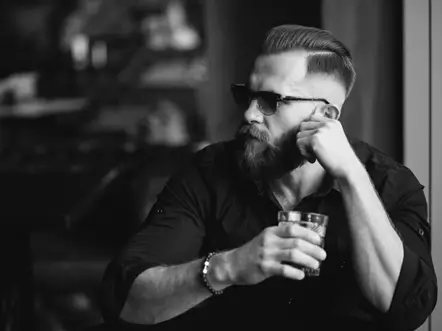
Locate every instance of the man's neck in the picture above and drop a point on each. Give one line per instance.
(291, 188)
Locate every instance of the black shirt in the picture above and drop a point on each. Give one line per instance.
(210, 206)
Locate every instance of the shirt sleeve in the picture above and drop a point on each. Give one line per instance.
(416, 291)
(173, 233)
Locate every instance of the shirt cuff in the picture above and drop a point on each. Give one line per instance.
(116, 285)
(415, 294)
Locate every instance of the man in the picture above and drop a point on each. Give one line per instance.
(211, 255)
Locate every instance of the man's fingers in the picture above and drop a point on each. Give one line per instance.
(297, 257)
(306, 133)
(289, 271)
(310, 125)
(275, 268)
(293, 230)
(304, 145)
(314, 250)
(321, 117)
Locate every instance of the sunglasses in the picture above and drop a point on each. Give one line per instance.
(268, 102)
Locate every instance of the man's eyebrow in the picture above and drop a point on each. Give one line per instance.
(298, 93)
(301, 93)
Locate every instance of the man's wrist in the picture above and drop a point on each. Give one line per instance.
(353, 176)
(352, 169)
(219, 273)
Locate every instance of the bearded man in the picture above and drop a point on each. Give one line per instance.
(211, 255)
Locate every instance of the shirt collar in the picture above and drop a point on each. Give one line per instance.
(328, 184)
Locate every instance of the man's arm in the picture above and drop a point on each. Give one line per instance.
(395, 272)
(162, 293)
(377, 248)
(414, 295)
(172, 235)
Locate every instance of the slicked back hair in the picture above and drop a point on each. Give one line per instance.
(326, 53)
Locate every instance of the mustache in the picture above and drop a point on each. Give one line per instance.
(254, 132)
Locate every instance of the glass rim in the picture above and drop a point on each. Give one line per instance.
(296, 215)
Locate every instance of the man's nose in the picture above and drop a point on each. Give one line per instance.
(252, 114)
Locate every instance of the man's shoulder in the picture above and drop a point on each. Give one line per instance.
(384, 170)
(213, 162)
(216, 155)
(370, 155)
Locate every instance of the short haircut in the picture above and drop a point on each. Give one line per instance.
(326, 53)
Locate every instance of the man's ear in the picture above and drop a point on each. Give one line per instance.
(329, 111)
(333, 112)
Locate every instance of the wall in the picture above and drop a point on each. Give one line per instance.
(372, 30)
(422, 117)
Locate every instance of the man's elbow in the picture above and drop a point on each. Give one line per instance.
(121, 302)
(136, 314)
(413, 312)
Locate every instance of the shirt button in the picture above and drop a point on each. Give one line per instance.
(421, 232)
(342, 264)
(160, 211)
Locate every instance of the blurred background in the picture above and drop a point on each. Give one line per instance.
(102, 100)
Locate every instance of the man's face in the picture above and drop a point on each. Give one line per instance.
(269, 142)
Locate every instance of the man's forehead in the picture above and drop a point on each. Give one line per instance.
(293, 63)
(287, 72)
(282, 73)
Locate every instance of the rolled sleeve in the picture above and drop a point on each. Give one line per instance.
(173, 233)
(416, 290)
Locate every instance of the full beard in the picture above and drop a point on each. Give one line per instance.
(259, 159)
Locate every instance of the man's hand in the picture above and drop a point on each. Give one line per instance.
(324, 139)
(269, 253)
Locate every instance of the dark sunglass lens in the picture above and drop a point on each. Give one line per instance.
(241, 95)
(267, 102)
